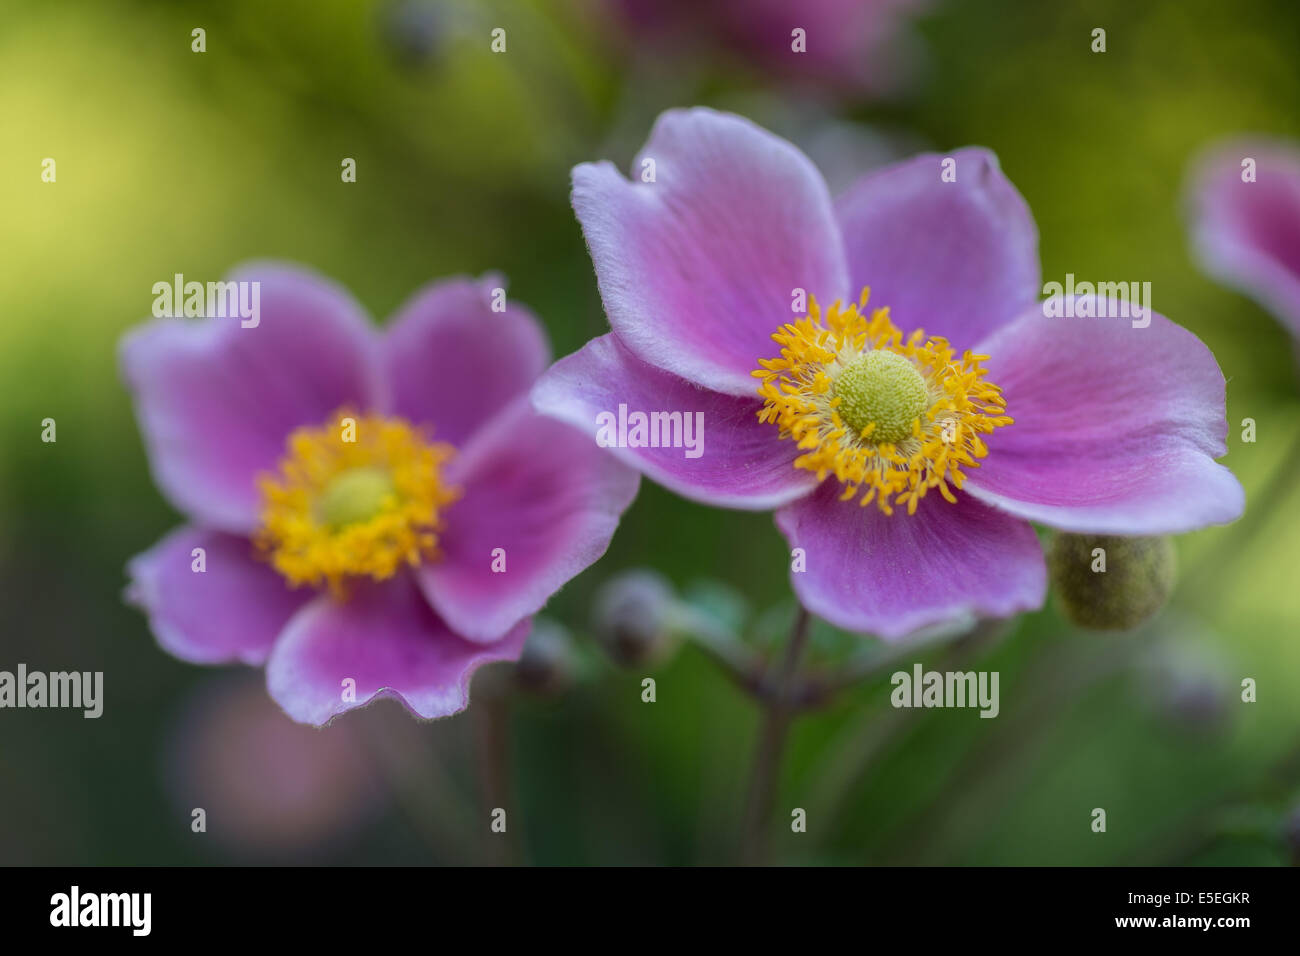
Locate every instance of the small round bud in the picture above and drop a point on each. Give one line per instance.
(634, 615)
(413, 30)
(548, 664)
(1109, 582)
(1193, 702)
(1183, 678)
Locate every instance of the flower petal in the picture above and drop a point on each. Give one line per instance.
(454, 363)
(233, 610)
(216, 401)
(1247, 234)
(697, 269)
(741, 461)
(957, 259)
(892, 575)
(1116, 427)
(387, 640)
(537, 496)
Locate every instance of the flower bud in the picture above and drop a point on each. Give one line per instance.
(1183, 678)
(548, 664)
(413, 30)
(634, 617)
(1109, 582)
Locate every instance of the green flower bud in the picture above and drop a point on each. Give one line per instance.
(549, 663)
(635, 616)
(1109, 582)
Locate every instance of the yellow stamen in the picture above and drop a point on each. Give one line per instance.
(890, 417)
(360, 496)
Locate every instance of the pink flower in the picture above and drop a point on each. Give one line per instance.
(906, 469)
(369, 513)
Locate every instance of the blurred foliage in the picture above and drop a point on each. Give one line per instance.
(170, 161)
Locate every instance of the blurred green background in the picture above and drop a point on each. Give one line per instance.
(171, 161)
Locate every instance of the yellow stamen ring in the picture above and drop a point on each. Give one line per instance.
(887, 416)
(360, 496)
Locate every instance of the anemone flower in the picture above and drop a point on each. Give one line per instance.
(332, 534)
(1245, 207)
(905, 465)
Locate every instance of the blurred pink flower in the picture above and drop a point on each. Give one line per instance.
(851, 46)
(265, 784)
(1245, 208)
(392, 562)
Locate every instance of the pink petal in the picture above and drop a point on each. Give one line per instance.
(539, 494)
(233, 610)
(892, 575)
(698, 268)
(742, 463)
(216, 401)
(957, 259)
(454, 363)
(1116, 427)
(386, 639)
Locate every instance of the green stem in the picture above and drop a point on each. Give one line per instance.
(493, 744)
(777, 716)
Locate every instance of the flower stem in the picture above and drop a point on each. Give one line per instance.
(493, 745)
(777, 716)
(424, 791)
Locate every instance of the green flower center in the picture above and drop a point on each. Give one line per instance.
(883, 389)
(354, 496)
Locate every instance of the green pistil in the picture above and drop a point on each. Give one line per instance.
(881, 388)
(354, 496)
